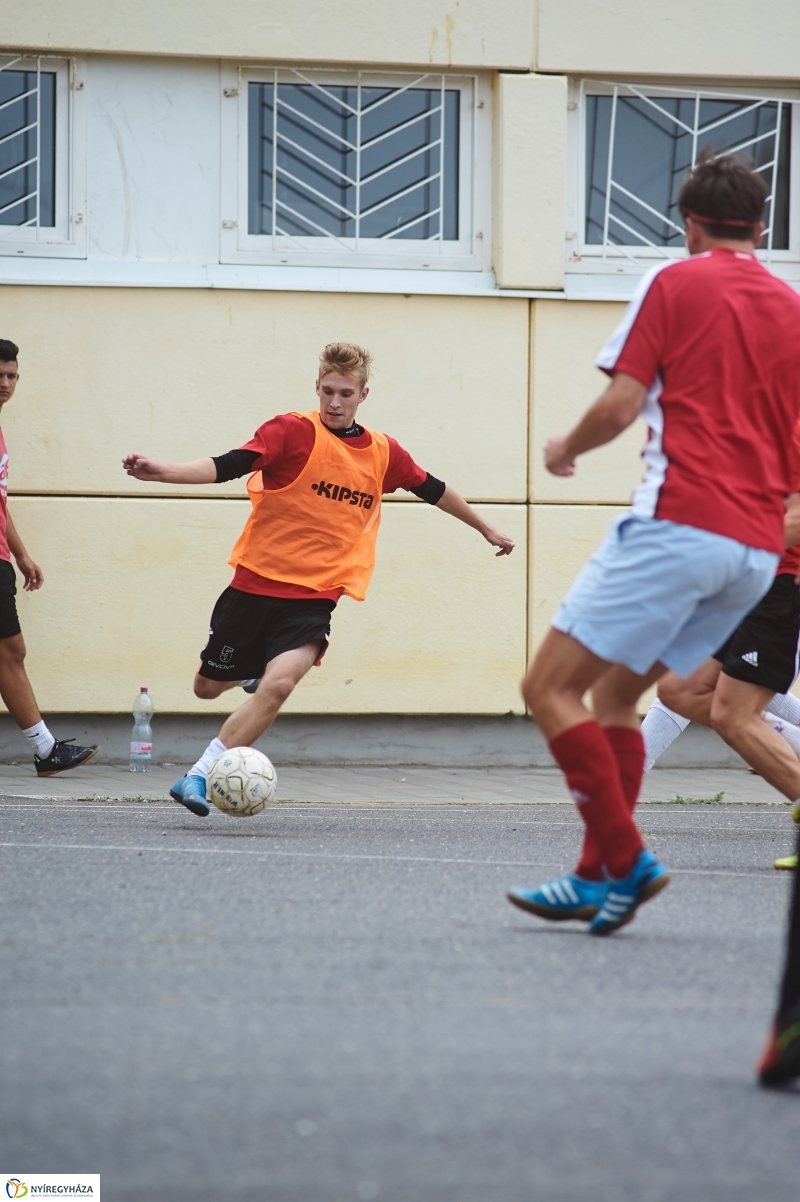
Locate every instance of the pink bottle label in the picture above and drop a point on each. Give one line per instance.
(141, 748)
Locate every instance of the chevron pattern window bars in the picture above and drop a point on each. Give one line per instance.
(353, 159)
(641, 140)
(27, 145)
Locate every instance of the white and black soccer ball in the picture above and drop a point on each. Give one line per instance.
(241, 781)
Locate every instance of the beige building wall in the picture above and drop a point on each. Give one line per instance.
(717, 40)
(182, 373)
(472, 385)
(132, 571)
(473, 33)
(130, 585)
(530, 152)
(565, 340)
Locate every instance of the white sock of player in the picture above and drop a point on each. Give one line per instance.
(784, 705)
(215, 748)
(40, 740)
(790, 733)
(661, 727)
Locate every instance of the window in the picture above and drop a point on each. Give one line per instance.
(27, 147)
(34, 154)
(362, 166)
(639, 142)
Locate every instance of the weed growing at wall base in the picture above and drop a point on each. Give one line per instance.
(677, 800)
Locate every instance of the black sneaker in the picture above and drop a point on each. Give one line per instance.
(63, 756)
(780, 1061)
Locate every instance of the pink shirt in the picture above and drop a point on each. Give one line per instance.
(4, 551)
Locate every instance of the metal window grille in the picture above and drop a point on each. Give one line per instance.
(27, 145)
(641, 141)
(356, 160)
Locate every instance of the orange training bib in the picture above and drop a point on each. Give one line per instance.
(320, 530)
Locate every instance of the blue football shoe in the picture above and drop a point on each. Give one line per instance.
(568, 897)
(190, 791)
(647, 878)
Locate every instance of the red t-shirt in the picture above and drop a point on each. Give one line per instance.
(4, 551)
(716, 340)
(284, 445)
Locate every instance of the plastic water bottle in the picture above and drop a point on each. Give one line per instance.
(142, 735)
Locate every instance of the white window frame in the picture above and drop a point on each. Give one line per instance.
(594, 258)
(472, 251)
(67, 238)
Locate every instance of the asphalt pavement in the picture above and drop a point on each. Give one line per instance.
(334, 1002)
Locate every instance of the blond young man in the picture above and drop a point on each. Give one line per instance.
(315, 488)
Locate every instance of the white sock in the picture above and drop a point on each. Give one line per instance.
(40, 740)
(215, 748)
(661, 727)
(789, 732)
(786, 706)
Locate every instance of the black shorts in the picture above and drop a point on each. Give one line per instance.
(9, 622)
(248, 630)
(763, 648)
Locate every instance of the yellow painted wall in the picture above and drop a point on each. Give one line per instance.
(530, 150)
(477, 33)
(717, 39)
(629, 37)
(179, 374)
(130, 584)
(131, 578)
(565, 339)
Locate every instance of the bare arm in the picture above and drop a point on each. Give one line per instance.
(613, 412)
(791, 521)
(451, 502)
(200, 471)
(32, 572)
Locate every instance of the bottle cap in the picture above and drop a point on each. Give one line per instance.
(143, 688)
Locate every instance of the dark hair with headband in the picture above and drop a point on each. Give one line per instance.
(724, 196)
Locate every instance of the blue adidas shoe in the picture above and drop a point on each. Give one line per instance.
(647, 878)
(190, 791)
(568, 897)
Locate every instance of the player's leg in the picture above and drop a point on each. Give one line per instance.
(281, 675)
(691, 697)
(50, 755)
(554, 687)
(249, 722)
(736, 717)
(660, 728)
(209, 690)
(614, 699)
(15, 687)
(274, 639)
(780, 1061)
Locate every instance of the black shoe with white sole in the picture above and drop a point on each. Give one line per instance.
(65, 754)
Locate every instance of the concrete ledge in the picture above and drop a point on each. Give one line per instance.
(439, 741)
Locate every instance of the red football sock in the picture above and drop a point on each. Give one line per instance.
(585, 756)
(628, 748)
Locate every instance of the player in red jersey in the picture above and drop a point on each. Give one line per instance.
(50, 755)
(708, 354)
(316, 491)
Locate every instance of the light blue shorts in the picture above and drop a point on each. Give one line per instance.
(660, 591)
